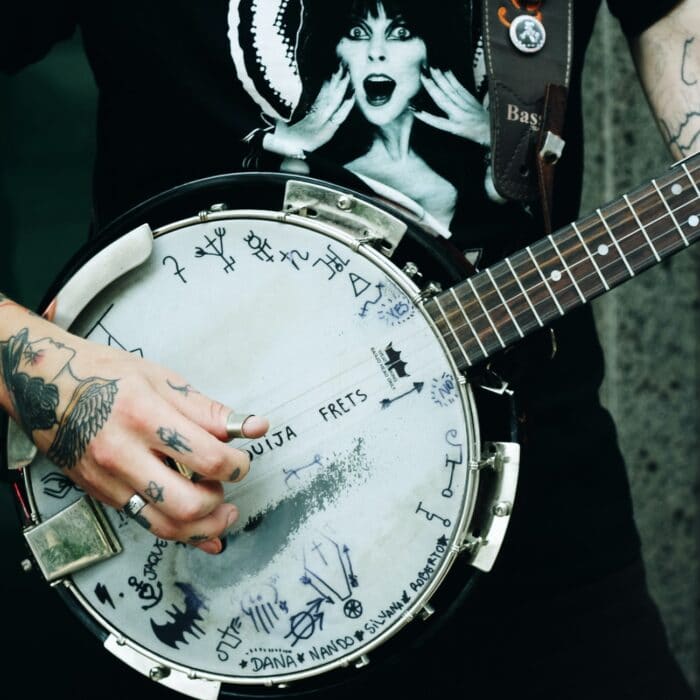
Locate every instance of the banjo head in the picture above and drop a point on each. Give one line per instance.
(361, 496)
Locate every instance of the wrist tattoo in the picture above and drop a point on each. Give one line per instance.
(36, 398)
(173, 440)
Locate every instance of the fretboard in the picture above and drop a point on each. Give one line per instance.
(533, 287)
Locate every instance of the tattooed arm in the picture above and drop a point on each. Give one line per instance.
(110, 419)
(667, 56)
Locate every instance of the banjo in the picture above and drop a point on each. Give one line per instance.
(361, 348)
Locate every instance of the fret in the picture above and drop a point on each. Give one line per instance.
(544, 279)
(641, 226)
(691, 178)
(518, 303)
(452, 331)
(671, 214)
(469, 323)
(590, 256)
(568, 271)
(660, 226)
(525, 294)
(486, 313)
(505, 304)
(615, 243)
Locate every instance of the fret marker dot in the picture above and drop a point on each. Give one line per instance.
(693, 220)
(555, 276)
(676, 188)
(603, 249)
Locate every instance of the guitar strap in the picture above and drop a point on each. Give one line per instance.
(528, 50)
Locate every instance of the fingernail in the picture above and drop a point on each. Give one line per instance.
(211, 546)
(254, 424)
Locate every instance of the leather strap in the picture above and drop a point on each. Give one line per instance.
(518, 84)
(550, 147)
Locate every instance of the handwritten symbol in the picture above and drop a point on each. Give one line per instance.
(417, 386)
(216, 248)
(102, 594)
(432, 516)
(262, 614)
(147, 592)
(112, 340)
(57, 485)
(370, 302)
(289, 255)
(451, 463)
(359, 284)
(352, 609)
(289, 473)
(353, 578)
(178, 270)
(230, 632)
(333, 262)
(259, 246)
(303, 624)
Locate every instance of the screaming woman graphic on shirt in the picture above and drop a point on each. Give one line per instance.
(384, 87)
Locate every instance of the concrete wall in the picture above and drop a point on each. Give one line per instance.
(649, 326)
(649, 330)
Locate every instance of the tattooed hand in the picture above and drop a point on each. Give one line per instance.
(110, 420)
(318, 127)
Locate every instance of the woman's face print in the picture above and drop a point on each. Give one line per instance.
(385, 59)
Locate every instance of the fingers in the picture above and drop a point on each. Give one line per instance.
(210, 415)
(438, 122)
(200, 522)
(331, 96)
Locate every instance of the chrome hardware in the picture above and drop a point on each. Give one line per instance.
(76, 537)
(203, 215)
(430, 290)
(411, 270)
(502, 509)
(21, 451)
(362, 661)
(366, 222)
(157, 673)
(26, 565)
(552, 148)
(181, 682)
(500, 389)
(426, 611)
(499, 472)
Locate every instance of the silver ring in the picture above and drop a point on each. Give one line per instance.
(134, 506)
(235, 422)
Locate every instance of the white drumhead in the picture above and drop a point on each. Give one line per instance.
(357, 499)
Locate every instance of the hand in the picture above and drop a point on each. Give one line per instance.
(465, 116)
(111, 419)
(328, 112)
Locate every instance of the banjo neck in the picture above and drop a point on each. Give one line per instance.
(535, 286)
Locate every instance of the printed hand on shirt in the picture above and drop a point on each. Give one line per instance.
(465, 116)
(328, 112)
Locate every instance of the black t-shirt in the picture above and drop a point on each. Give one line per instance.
(188, 90)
